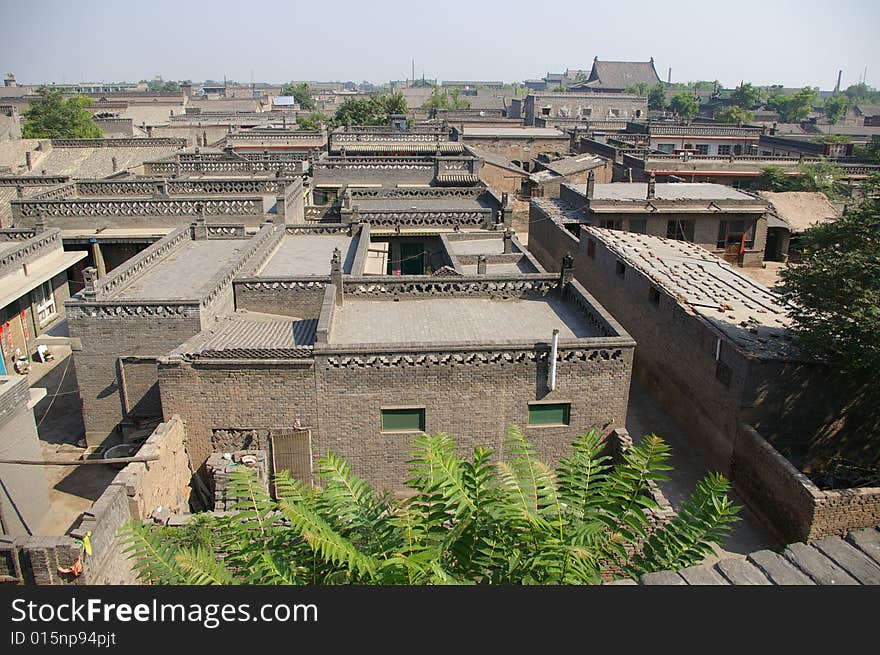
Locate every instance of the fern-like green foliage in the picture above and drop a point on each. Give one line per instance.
(472, 520)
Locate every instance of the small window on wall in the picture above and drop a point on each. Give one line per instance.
(724, 150)
(639, 225)
(549, 413)
(680, 230)
(611, 224)
(403, 419)
(45, 301)
(665, 147)
(702, 148)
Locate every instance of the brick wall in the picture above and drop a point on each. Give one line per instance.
(787, 498)
(26, 485)
(548, 241)
(133, 495)
(519, 149)
(236, 397)
(297, 298)
(501, 180)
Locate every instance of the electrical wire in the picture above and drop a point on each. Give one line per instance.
(57, 390)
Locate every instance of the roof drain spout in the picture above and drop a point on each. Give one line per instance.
(554, 345)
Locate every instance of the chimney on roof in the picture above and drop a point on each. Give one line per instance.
(29, 160)
(200, 227)
(40, 224)
(114, 164)
(90, 275)
(652, 182)
(669, 76)
(508, 241)
(481, 264)
(837, 88)
(336, 274)
(567, 272)
(591, 184)
(19, 191)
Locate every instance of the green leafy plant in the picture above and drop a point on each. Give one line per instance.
(684, 105)
(733, 114)
(302, 93)
(469, 521)
(51, 116)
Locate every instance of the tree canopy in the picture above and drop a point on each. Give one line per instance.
(376, 110)
(302, 93)
(835, 287)
(795, 107)
(159, 85)
(822, 176)
(51, 116)
(657, 98)
(746, 96)
(441, 99)
(313, 121)
(862, 93)
(684, 105)
(733, 114)
(835, 107)
(640, 89)
(469, 521)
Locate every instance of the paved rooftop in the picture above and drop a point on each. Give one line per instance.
(456, 320)
(750, 315)
(670, 191)
(308, 254)
(477, 246)
(186, 273)
(518, 268)
(425, 203)
(530, 132)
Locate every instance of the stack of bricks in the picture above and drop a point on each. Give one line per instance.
(219, 468)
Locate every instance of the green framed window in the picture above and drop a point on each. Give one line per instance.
(549, 413)
(403, 419)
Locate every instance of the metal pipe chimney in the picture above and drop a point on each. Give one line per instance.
(554, 345)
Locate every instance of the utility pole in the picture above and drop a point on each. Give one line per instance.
(413, 78)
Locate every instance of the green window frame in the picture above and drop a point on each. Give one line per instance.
(402, 419)
(549, 414)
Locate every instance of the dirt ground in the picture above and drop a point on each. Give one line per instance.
(768, 276)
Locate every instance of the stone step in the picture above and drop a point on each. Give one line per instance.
(703, 574)
(866, 540)
(821, 569)
(778, 569)
(739, 571)
(662, 578)
(850, 559)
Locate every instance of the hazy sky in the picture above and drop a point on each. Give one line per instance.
(769, 41)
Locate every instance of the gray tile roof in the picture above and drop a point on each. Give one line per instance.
(248, 335)
(576, 164)
(620, 74)
(669, 191)
(751, 316)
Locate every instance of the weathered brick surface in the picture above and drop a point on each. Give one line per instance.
(741, 572)
(277, 297)
(702, 575)
(850, 559)
(868, 541)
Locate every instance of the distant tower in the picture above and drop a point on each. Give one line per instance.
(10, 80)
(837, 88)
(669, 77)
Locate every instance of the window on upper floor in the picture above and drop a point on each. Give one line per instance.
(403, 419)
(547, 414)
(639, 225)
(724, 150)
(702, 148)
(680, 230)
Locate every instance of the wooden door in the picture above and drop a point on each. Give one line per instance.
(733, 249)
(292, 451)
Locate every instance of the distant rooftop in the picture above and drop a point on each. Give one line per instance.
(308, 254)
(750, 315)
(525, 132)
(457, 320)
(184, 274)
(664, 191)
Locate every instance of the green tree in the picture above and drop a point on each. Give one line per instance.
(313, 121)
(52, 116)
(823, 176)
(457, 101)
(641, 89)
(684, 105)
(835, 287)
(795, 107)
(302, 93)
(835, 108)
(469, 521)
(440, 99)
(773, 178)
(657, 98)
(559, 88)
(746, 96)
(870, 150)
(733, 114)
(862, 93)
(376, 110)
(158, 85)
